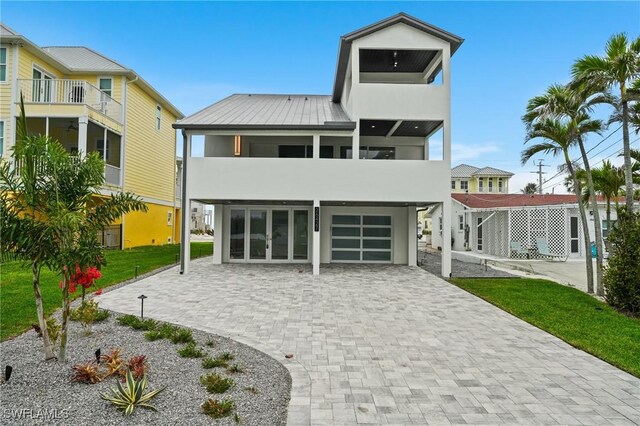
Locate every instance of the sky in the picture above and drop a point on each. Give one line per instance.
(196, 53)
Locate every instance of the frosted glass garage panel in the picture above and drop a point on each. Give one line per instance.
(361, 238)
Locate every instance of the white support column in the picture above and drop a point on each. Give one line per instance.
(217, 233)
(446, 238)
(83, 123)
(105, 145)
(185, 231)
(316, 147)
(412, 236)
(355, 143)
(316, 237)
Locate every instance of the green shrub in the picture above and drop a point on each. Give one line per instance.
(137, 323)
(214, 383)
(53, 328)
(88, 313)
(622, 274)
(235, 368)
(217, 409)
(209, 362)
(226, 356)
(128, 320)
(182, 335)
(133, 395)
(167, 330)
(191, 351)
(153, 335)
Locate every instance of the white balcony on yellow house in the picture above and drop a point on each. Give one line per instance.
(65, 97)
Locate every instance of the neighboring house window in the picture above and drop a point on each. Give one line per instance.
(460, 222)
(169, 218)
(106, 86)
(158, 117)
(100, 148)
(490, 185)
(605, 229)
(3, 64)
(481, 185)
(453, 184)
(440, 224)
(1, 137)
(464, 185)
(500, 185)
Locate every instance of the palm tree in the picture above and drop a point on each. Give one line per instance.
(560, 101)
(618, 68)
(559, 136)
(608, 181)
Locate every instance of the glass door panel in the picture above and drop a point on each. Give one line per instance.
(258, 234)
(280, 234)
(237, 230)
(300, 234)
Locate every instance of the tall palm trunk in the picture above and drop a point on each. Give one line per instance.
(628, 175)
(596, 219)
(65, 317)
(48, 347)
(583, 220)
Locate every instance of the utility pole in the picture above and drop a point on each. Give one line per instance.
(540, 173)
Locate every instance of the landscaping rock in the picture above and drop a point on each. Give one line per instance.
(41, 392)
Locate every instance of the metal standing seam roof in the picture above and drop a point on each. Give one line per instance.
(80, 58)
(463, 171)
(491, 171)
(6, 31)
(255, 111)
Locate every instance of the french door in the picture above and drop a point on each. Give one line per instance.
(42, 86)
(268, 234)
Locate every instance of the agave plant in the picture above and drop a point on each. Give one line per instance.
(131, 395)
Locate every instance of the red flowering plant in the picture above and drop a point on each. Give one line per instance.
(85, 279)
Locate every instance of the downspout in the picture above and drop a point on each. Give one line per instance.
(417, 240)
(184, 233)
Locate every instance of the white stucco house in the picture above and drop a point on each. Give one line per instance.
(494, 221)
(337, 178)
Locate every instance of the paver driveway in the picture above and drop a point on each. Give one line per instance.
(390, 344)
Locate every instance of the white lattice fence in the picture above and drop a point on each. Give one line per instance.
(527, 225)
(557, 231)
(520, 228)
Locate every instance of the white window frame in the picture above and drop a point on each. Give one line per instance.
(2, 138)
(5, 64)
(464, 185)
(453, 184)
(480, 184)
(500, 185)
(490, 182)
(105, 78)
(158, 117)
(460, 223)
(105, 148)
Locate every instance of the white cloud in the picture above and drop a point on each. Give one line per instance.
(463, 152)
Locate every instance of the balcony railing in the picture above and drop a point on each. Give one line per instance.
(112, 175)
(70, 92)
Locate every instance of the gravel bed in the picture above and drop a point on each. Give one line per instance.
(261, 393)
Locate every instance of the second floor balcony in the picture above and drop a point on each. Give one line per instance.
(70, 92)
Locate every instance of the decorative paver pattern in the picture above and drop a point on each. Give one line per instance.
(390, 345)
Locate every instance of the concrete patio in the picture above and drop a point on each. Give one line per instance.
(390, 345)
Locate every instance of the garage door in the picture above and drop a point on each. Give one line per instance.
(361, 238)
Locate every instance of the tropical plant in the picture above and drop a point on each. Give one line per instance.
(88, 313)
(622, 278)
(113, 361)
(574, 106)
(216, 408)
(191, 351)
(132, 394)
(214, 383)
(51, 216)
(618, 68)
(530, 188)
(558, 137)
(608, 181)
(137, 365)
(89, 372)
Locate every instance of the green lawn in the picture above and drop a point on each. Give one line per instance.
(17, 304)
(573, 316)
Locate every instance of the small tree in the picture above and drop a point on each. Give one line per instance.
(530, 188)
(622, 275)
(50, 215)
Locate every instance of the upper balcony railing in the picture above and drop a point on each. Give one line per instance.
(70, 92)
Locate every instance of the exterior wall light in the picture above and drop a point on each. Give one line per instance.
(237, 145)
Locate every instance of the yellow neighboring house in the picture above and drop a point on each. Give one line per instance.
(471, 179)
(91, 103)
